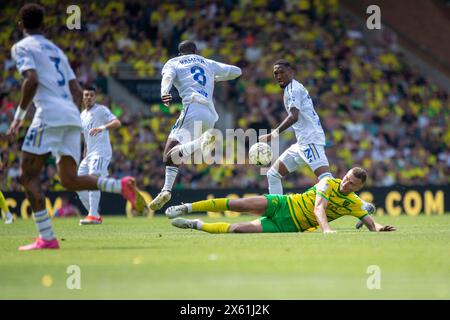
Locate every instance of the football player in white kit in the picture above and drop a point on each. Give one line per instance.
(194, 77)
(50, 83)
(310, 146)
(96, 121)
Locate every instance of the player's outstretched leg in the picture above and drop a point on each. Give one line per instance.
(197, 224)
(218, 227)
(205, 142)
(215, 205)
(256, 205)
(67, 170)
(127, 187)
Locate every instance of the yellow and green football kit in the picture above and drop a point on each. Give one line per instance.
(294, 213)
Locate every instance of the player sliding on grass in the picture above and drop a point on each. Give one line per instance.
(328, 200)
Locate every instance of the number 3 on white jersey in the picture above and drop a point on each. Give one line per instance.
(56, 61)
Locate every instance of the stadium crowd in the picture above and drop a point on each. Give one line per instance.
(376, 111)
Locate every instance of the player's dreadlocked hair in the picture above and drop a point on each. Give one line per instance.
(360, 173)
(32, 16)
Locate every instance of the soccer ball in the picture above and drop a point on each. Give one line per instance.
(260, 154)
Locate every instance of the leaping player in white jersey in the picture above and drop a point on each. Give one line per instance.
(96, 121)
(194, 77)
(310, 146)
(50, 83)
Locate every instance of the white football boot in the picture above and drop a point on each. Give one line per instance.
(9, 219)
(185, 223)
(207, 143)
(162, 198)
(175, 211)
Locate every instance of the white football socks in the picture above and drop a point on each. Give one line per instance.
(94, 200)
(84, 198)
(189, 147)
(274, 180)
(325, 174)
(171, 175)
(43, 225)
(109, 185)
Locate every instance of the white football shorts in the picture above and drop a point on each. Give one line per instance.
(60, 141)
(311, 154)
(192, 122)
(94, 164)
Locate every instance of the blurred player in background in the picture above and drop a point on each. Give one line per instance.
(5, 210)
(3, 206)
(96, 120)
(310, 146)
(328, 200)
(50, 83)
(67, 209)
(194, 77)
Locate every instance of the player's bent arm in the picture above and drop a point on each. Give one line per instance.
(166, 83)
(114, 124)
(232, 73)
(29, 88)
(287, 122)
(370, 223)
(319, 211)
(77, 92)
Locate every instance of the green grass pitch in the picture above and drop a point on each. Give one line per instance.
(147, 258)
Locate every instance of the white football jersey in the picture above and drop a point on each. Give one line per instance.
(53, 100)
(194, 77)
(98, 115)
(307, 128)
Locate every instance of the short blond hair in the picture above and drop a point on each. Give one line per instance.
(360, 173)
